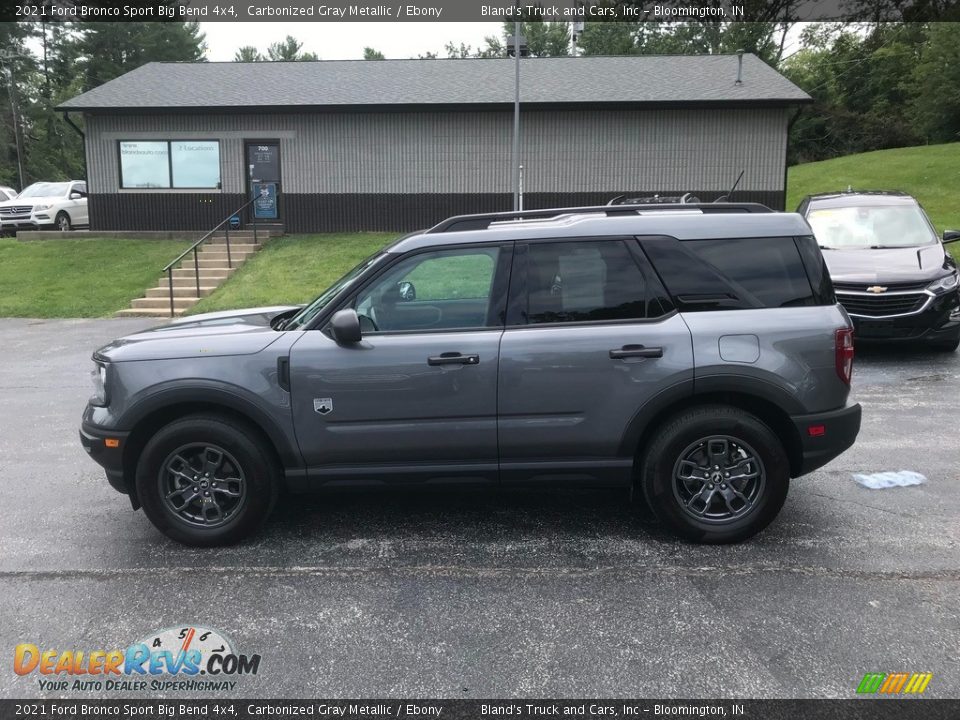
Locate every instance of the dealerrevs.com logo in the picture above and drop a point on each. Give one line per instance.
(171, 659)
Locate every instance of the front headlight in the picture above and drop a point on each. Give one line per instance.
(945, 284)
(42, 207)
(99, 378)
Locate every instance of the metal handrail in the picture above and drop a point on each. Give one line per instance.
(196, 260)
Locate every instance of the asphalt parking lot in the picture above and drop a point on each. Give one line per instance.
(495, 595)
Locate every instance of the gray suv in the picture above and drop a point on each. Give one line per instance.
(694, 354)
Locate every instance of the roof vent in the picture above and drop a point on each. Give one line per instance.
(739, 68)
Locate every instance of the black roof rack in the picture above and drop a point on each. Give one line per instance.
(482, 221)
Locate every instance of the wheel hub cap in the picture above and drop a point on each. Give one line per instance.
(202, 485)
(718, 479)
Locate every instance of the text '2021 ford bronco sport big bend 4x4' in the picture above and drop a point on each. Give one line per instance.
(694, 353)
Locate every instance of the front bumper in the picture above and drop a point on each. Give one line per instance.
(939, 322)
(824, 436)
(94, 441)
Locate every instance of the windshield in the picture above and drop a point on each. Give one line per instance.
(305, 316)
(871, 226)
(45, 189)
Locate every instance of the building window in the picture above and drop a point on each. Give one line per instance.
(179, 164)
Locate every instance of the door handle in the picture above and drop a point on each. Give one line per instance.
(628, 351)
(453, 358)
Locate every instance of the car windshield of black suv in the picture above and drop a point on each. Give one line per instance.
(871, 226)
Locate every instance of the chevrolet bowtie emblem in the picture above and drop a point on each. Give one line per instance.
(876, 289)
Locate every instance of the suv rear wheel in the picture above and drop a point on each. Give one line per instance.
(715, 474)
(206, 480)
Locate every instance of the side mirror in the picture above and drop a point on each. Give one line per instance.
(345, 327)
(950, 236)
(407, 290)
(77, 195)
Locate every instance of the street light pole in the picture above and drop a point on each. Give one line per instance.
(516, 117)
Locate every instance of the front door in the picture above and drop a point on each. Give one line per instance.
(263, 180)
(415, 400)
(587, 345)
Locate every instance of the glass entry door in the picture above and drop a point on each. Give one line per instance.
(263, 179)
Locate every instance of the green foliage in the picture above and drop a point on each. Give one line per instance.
(370, 54)
(52, 62)
(293, 269)
(52, 278)
(764, 39)
(862, 86)
(936, 91)
(289, 50)
(930, 173)
(107, 50)
(247, 53)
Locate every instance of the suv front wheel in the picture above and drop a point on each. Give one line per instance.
(206, 480)
(715, 474)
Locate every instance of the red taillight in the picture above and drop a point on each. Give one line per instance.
(844, 347)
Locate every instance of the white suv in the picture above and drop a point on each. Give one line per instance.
(62, 205)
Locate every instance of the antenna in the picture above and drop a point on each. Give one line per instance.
(724, 198)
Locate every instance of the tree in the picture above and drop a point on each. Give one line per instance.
(936, 81)
(247, 53)
(288, 50)
(370, 54)
(861, 81)
(17, 69)
(764, 39)
(108, 50)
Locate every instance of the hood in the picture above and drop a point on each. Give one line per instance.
(32, 200)
(887, 265)
(231, 332)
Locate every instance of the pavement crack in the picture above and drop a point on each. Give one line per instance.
(714, 571)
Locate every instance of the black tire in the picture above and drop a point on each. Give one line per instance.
(63, 221)
(244, 456)
(946, 345)
(685, 437)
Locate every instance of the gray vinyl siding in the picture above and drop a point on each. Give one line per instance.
(469, 152)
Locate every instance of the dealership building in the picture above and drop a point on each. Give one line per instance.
(402, 144)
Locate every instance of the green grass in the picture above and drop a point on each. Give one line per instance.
(293, 269)
(931, 173)
(78, 278)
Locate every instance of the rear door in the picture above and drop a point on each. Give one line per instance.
(590, 340)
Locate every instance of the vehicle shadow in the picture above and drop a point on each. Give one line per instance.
(490, 515)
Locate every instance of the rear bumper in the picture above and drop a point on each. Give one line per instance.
(824, 436)
(94, 440)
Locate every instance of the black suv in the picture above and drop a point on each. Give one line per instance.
(889, 269)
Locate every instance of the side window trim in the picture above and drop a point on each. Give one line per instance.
(498, 290)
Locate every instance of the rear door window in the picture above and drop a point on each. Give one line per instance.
(587, 281)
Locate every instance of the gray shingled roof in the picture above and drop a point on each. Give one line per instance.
(583, 80)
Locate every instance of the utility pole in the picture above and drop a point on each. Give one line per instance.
(12, 92)
(516, 116)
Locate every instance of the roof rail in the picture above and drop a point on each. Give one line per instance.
(482, 221)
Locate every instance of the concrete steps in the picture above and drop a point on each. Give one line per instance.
(214, 266)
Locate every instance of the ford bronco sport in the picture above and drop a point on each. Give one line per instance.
(695, 354)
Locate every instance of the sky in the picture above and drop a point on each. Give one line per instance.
(345, 41)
